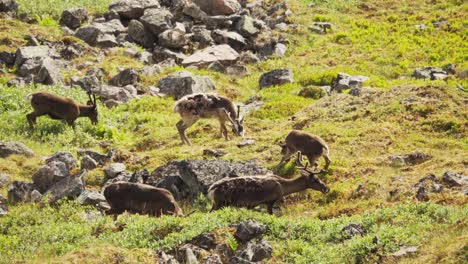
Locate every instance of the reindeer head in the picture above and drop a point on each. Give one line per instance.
(238, 124)
(93, 114)
(313, 181)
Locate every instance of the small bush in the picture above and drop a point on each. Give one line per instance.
(313, 92)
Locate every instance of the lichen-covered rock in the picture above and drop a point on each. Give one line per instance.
(247, 230)
(183, 83)
(172, 38)
(276, 77)
(50, 174)
(31, 53)
(3, 206)
(157, 20)
(88, 163)
(74, 17)
(221, 53)
(14, 148)
(91, 198)
(70, 187)
(125, 77)
(22, 192)
(138, 33)
(66, 157)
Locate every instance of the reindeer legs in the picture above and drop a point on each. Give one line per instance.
(183, 125)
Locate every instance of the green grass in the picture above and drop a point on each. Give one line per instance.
(54, 8)
(373, 38)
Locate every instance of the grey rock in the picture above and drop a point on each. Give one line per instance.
(246, 27)
(206, 241)
(125, 77)
(30, 53)
(271, 49)
(345, 81)
(74, 17)
(222, 53)
(7, 58)
(247, 230)
(101, 34)
(233, 39)
(219, 22)
(146, 57)
(188, 178)
(87, 83)
(353, 230)
(213, 152)
(4, 180)
(50, 174)
(87, 163)
(432, 73)
(21, 192)
(70, 53)
(114, 169)
(9, 7)
(239, 260)
(70, 187)
(213, 259)
(190, 257)
(219, 7)
(132, 9)
(404, 251)
(172, 38)
(138, 33)
(19, 82)
(276, 77)
(49, 73)
(164, 258)
(66, 157)
(201, 35)
(248, 57)
(99, 158)
(90, 198)
(237, 71)
(119, 95)
(453, 179)
(217, 67)
(409, 159)
(161, 54)
(112, 27)
(106, 41)
(194, 11)
(14, 148)
(30, 68)
(151, 70)
(261, 250)
(246, 142)
(112, 14)
(320, 27)
(157, 20)
(280, 50)
(425, 186)
(183, 83)
(3, 206)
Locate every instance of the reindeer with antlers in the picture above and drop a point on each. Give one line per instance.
(195, 106)
(61, 108)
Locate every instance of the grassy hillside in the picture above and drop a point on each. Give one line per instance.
(398, 115)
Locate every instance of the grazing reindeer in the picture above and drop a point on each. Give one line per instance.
(195, 106)
(140, 198)
(61, 108)
(311, 146)
(252, 191)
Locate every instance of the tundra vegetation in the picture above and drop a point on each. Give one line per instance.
(402, 115)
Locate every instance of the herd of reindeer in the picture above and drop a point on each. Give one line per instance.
(248, 191)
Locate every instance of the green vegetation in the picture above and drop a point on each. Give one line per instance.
(401, 115)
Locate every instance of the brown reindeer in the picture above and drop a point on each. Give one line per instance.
(312, 146)
(252, 191)
(140, 198)
(195, 106)
(61, 108)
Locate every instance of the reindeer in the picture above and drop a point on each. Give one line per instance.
(195, 106)
(61, 108)
(311, 146)
(140, 199)
(255, 190)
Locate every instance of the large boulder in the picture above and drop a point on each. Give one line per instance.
(125, 77)
(222, 53)
(172, 38)
(9, 7)
(132, 9)
(188, 178)
(101, 34)
(157, 20)
(31, 53)
(138, 33)
(66, 157)
(183, 83)
(219, 7)
(74, 17)
(21, 192)
(276, 77)
(233, 39)
(49, 73)
(70, 187)
(49, 175)
(14, 148)
(113, 95)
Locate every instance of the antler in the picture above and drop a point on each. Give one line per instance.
(238, 112)
(299, 163)
(228, 116)
(94, 99)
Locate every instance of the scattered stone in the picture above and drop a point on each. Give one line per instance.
(453, 179)
(183, 83)
(432, 73)
(114, 169)
(345, 81)
(237, 70)
(217, 67)
(221, 53)
(353, 230)
(201, 35)
(188, 178)
(22, 192)
(219, 7)
(88, 163)
(320, 27)
(9, 7)
(91, 198)
(132, 9)
(70, 187)
(276, 77)
(74, 17)
(3, 206)
(66, 157)
(172, 38)
(409, 159)
(249, 229)
(427, 185)
(157, 20)
(213, 152)
(404, 251)
(124, 78)
(246, 142)
(138, 33)
(14, 148)
(70, 52)
(50, 174)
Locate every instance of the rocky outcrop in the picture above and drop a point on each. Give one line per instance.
(188, 178)
(14, 148)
